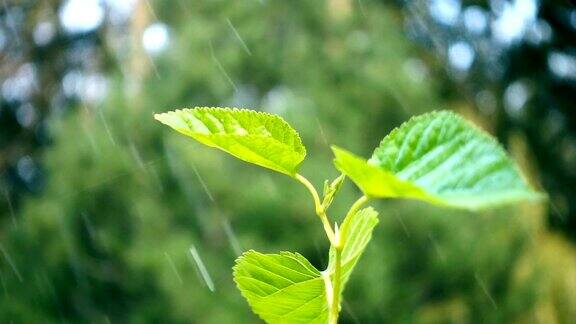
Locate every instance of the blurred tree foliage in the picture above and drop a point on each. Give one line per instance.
(514, 62)
(39, 67)
(110, 237)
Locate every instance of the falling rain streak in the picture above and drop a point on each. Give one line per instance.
(437, 247)
(88, 224)
(202, 268)
(244, 46)
(485, 290)
(151, 9)
(221, 68)
(401, 221)
(234, 243)
(173, 266)
(153, 64)
(361, 7)
(322, 133)
(106, 127)
(10, 262)
(203, 183)
(136, 155)
(348, 309)
(10, 207)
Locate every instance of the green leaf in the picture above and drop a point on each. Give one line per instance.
(331, 189)
(256, 137)
(282, 288)
(441, 158)
(286, 288)
(356, 232)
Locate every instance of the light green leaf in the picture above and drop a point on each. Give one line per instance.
(356, 232)
(440, 158)
(331, 189)
(256, 137)
(282, 288)
(374, 181)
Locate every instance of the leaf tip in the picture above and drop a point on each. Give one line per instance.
(335, 149)
(171, 119)
(158, 116)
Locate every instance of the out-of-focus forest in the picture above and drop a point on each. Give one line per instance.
(106, 216)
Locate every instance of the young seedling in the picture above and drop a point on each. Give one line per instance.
(437, 157)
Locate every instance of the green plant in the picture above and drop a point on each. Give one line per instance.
(437, 157)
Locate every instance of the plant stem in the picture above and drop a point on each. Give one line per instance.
(318, 207)
(340, 241)
(337, 241)
(335, 306)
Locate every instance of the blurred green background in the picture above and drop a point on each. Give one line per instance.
(108, 217)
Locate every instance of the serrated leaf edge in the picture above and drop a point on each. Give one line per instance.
(298, 140)
(480, 131)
